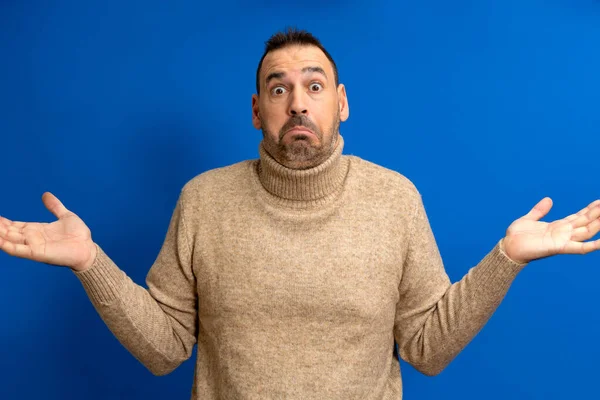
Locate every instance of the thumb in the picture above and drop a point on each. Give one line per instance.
(54, 205)
(539, 210)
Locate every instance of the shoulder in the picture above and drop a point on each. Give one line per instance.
(218, 182)
(381, 181)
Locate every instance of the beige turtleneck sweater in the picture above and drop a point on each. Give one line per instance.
(294, 284)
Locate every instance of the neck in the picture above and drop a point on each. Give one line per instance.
(308, 184)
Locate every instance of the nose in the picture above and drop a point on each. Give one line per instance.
(297, 103)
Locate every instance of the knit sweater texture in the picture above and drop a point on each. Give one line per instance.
(295, 284)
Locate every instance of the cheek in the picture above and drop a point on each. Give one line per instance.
(270, 128)
(328, 111)
(272, 120)
(325, 118)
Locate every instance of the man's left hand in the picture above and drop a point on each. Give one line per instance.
(529, 239)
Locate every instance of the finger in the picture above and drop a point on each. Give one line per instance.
(54, 205)
(581, 247)
(539, 210)
(593, 212)
(14, 228)
(8, 222)
(3, 231)
(586, 218)
(586, 232)
(18, 227)
(16, 250)
(593, 204)
(12, 236)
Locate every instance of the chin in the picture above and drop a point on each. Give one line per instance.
(300, 154)
(301, 148)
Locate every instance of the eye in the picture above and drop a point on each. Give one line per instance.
(278, 90)
(315, 87)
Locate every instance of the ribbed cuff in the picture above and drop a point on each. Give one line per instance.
(497, 271)
(103, 280)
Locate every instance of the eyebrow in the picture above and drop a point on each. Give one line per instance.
(279, 75)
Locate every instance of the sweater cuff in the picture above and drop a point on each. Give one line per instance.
(498, 271)
(103, 280)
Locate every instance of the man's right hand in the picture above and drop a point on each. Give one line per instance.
(66, 242)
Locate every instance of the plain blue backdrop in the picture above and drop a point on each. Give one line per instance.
(486, 106)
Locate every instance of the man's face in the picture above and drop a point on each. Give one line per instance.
(299, 108)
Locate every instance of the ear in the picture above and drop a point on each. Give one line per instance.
(255, 113)
(343, 103)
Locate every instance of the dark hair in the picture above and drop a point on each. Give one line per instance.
(293, 36)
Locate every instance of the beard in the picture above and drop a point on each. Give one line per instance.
(301, 152)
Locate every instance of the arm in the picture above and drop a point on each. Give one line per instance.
(157, 325)
(435, 319)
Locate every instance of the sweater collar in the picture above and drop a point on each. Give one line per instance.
(310, 184)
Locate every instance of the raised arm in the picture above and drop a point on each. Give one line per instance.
(157, 325)
(435, 319)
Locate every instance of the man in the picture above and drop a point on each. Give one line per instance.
(296, 273)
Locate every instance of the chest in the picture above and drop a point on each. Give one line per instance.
(336, 269)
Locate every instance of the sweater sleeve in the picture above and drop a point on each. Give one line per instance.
(157, 325)
(435, 319)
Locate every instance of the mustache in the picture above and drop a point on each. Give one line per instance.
(298, 120)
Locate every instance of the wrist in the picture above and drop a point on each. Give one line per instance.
(90, 261)
(507, 253)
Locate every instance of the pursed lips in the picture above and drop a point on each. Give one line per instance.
(300, 129)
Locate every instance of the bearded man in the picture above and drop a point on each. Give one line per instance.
(297, 273)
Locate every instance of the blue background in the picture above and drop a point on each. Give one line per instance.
(486, 106)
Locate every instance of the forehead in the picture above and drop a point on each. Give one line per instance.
(295, 57)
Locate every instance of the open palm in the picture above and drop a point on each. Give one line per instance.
(65, 242)
(528, 239)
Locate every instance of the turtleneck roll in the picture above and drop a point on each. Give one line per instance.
(318, 183)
